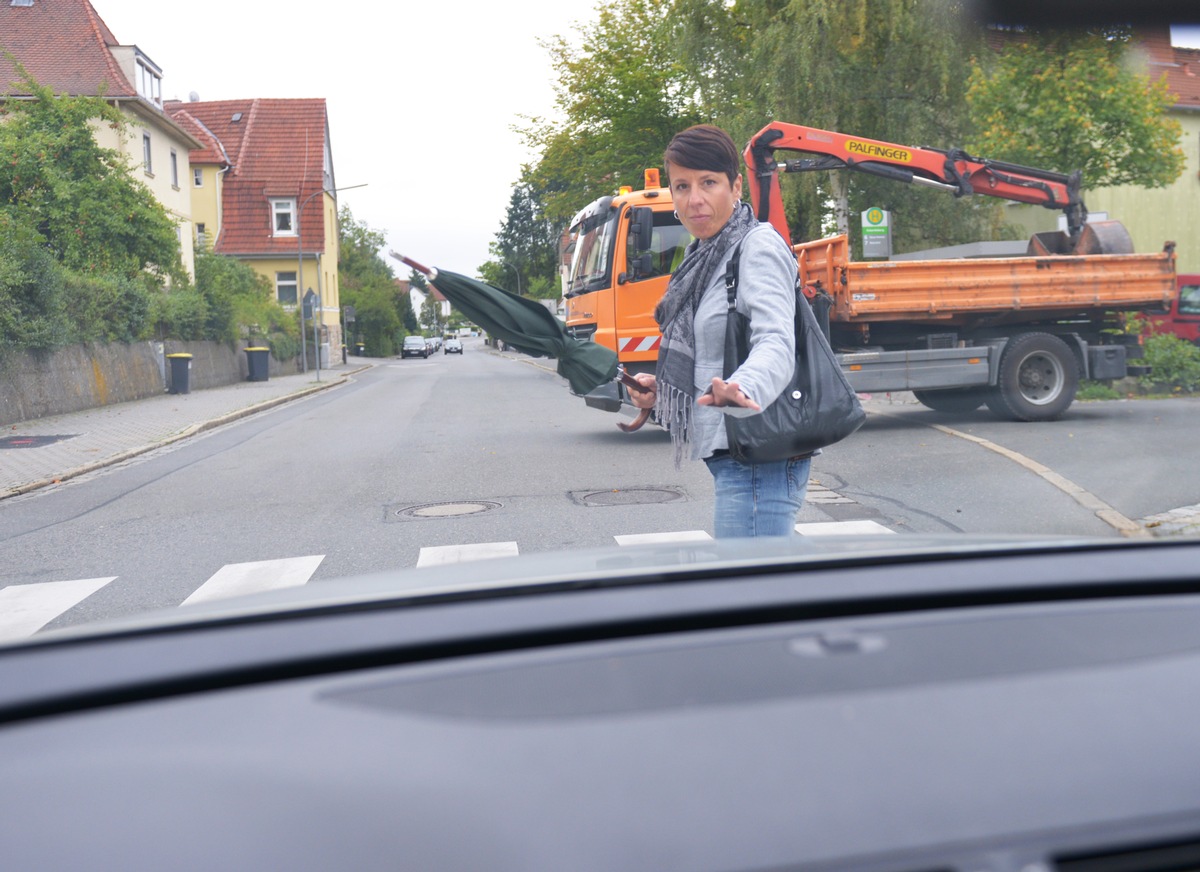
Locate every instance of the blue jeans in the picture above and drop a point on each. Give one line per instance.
(757, 499)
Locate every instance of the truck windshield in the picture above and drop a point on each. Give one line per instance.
(593, 242)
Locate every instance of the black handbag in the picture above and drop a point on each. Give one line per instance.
(816, 409)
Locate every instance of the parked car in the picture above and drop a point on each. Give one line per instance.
(452, 346)
(414, 346)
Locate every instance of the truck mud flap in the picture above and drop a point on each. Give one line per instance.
(922, 369)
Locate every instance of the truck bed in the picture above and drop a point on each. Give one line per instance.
(958, 291)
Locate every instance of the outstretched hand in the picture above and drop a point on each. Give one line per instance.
(725, 393)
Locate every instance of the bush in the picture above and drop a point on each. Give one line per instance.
(32, 314)
(180, 313)
(108, 308)
(1174, 362)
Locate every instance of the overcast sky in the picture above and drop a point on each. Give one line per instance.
(422, 97)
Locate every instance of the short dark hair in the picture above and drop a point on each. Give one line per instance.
(704, 147)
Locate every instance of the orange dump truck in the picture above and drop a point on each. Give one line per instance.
(1014, 333)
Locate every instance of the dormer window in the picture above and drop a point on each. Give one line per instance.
(283, 220)
(149, 81)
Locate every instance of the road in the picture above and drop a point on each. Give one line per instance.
(459, 457)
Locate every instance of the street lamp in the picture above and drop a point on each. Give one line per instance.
(300, 273)
(517, 274)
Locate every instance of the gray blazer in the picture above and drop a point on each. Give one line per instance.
(766, 293)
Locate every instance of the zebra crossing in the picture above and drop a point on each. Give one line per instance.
(27, 608)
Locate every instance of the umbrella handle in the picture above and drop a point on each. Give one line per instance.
(429, 272)
(643, 414)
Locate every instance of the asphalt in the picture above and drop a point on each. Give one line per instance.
(82, 442)
(44, 452)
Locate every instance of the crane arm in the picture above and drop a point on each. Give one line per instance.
(953, 171)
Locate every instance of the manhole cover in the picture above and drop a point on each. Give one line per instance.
(31, 441)
(447, 509)
(630, 496)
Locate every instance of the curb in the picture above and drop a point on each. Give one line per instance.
(193, 430)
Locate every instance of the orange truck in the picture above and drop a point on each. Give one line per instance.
(1014, 333)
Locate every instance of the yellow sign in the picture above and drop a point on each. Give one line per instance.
(875, 149)
(875, 216)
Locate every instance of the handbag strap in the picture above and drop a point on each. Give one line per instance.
(731, 274)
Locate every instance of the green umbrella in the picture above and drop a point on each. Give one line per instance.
(525, 324)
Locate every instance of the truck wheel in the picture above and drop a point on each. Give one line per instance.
(956, 400)
(1038, 379)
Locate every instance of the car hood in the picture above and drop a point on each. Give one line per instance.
(639, 565)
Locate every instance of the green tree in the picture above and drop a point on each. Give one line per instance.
(1068, 100)
(525, 250)
(240, 303)
(883, 69)
(621, 94)
(431, 315)
(91, 213)
(382, 312)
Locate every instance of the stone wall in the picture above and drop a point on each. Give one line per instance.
(85, 376)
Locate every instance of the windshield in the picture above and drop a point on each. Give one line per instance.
(592, 244)
(213, 380)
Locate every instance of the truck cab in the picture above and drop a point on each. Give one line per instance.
(1183, 316)
(623, 249)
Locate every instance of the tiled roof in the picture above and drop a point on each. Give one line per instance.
(64, 45)
(213, 151)
(277, 149)
(1181, 65)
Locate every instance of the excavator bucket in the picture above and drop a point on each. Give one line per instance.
(1099, 237)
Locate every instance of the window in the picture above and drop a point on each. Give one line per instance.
(197, 177)
(282, 212)
(149, 82)
(201, 236)
(285, 288)
(174, 169)
(1189, 300)
(147, 163)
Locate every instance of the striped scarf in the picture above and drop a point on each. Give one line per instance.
(676, 317)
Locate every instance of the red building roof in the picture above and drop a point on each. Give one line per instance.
(64, 45)
(1180, 65)
(276, 149)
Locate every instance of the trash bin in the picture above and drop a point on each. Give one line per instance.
(181, 366)
(258, 362)
(359, 349)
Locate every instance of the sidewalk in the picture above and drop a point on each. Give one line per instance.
(80, 442)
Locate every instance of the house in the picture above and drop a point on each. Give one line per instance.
(262, 187)
(1153, 216)
(66, 46)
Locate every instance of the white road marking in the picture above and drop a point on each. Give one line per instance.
(26, 608)
(235, 579)
(436, 555)
(678, 536)
(841, 528)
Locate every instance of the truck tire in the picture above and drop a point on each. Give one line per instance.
(955, 400)
(1038, 379)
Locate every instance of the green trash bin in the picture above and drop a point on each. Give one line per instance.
(181, 367)
(258, 362)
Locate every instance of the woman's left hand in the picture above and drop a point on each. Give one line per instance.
(723, 393)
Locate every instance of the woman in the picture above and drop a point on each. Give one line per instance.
(687, 391)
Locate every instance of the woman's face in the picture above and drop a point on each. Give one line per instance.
(704, 199)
